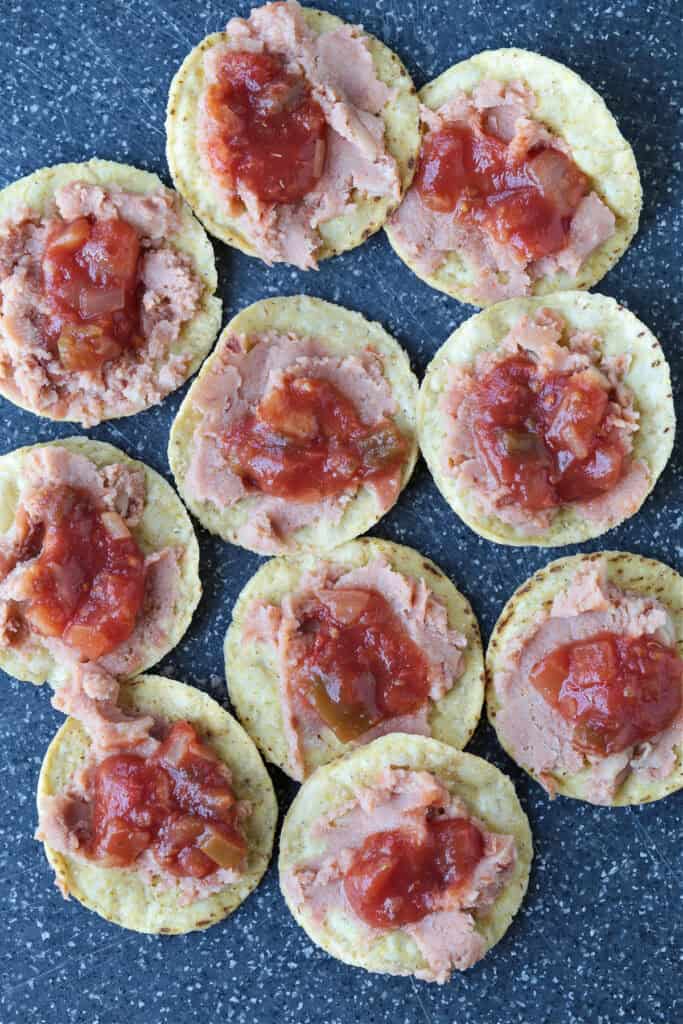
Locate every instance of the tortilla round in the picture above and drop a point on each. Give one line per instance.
(648, 378)
(121, 895)
(252, 671)
(36, 193)
(401, 132)
(643, 576)
(572, 110)
(489, 796)
(343, 333)
(164, 523)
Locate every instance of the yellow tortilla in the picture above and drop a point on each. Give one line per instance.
(343, 332)
(35, 193)
(252, 670)
(401, 132)
(620, 331)
(489, 796)
(631, 572)
(574, 112)
(164, 523)
(121, 895)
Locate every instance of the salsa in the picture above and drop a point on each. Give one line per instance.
(615, 690)
(85, 583)
(398, 877)
(266, 131)
(178, 803)
(305, 442)
(360, 665)
(545, 438)
(91, 274)
(526, 203)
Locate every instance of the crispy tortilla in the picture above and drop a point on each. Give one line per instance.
(648, 378)
(343, 332)
(643, 576)
(252, 670)
(489, 795)
(165, 523)
(122, 895)
(571, 109)
(35, 193)
(402, 135)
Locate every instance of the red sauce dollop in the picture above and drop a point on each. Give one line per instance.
(90, 276)
(544, 438)
(305, 442)
(265, 129)
(395, 879)
(361, 666)
(527, 203)
(616, 690)
(86, 584)
(178, 803)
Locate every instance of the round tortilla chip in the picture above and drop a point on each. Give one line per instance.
(343, 333)
(489, 796)
(123, 896)
(252, 671)
(572, 110)
(401, 132)
(648, 378)
(643, 576)
(164, 523)
(36, 194)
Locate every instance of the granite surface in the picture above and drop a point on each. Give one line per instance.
(599, 937)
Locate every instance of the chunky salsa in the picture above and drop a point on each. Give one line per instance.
(266, 131)
(615, 690)
(178, 804)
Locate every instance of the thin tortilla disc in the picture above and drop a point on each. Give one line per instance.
(121, 895)
(164, 523)
(648, 378)
(252, 671)
(630, 572)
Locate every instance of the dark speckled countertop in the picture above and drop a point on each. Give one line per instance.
(599, 938)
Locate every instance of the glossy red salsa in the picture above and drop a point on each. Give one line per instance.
(266, 131)
(360, 666)
(545, 438)
(615, 690)
(395, 878)
(527, 203)
(178, 803)
(90, 276)
(305, 442)
(86, 582)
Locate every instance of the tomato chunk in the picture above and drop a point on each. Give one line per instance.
(545, 438)
(90, 273)
(396, 879)
(265, 129)
(178, 803)
(86, 579)
(526, 203)
(615, 690)
(360, 665)
(305, 442)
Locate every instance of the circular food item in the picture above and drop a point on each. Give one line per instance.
(252, 667)
(138, 377)
(121, 895)
(489, 797)
(571, 110)
(632, 573)
(338, 334)
(647, 377)
(164, 524)
(363, 215)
